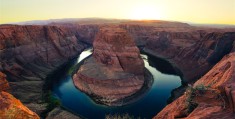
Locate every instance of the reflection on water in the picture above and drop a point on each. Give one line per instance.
(84, 54)
(147, 107)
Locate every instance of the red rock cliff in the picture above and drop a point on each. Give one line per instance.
(116, 49)
(212, 96)
(11, 108)
(193, 50)
(29, 53)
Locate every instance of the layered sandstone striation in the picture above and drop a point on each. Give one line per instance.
(28, 54)
(116, 49)
(212, 96)
(191, 49)
(11, 108)
(115, 70)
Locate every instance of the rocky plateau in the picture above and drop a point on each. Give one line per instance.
(115, 70)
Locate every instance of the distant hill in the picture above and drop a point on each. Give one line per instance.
(70, 20)
(213, 25)
(159, 23)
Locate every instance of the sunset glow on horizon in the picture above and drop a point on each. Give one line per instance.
(195, 11)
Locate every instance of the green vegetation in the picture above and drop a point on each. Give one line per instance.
(191, 93)
(117, 116)
(190, 104)
(52, 101)
(71, 70)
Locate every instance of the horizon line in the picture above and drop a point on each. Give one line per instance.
(188, 22)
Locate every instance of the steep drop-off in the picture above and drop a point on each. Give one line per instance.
(28, 54)
(212, 96)
(193, 50)
(10, 107)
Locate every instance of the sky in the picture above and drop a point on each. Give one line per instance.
(194, 11)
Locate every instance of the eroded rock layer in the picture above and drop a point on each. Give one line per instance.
(212, 96)
(116, 49)
(11, 108)
(28, 54)
(193, 50)
(115, 70)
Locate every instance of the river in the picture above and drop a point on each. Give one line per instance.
(146, 107)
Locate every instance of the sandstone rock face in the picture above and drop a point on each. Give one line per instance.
(213, 95)
(40, 47)
(4, 86)
(116, 49)
(29, 53)
(11, 108)
(84, 32)
(195, 56)
(115, 70)
(193, 50)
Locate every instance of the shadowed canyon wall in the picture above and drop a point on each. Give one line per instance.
(29, 54)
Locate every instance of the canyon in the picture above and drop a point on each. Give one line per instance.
(203, 56)
(30, 53)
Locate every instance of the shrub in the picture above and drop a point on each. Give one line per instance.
(52, 101)
(191, 93)
(190, 104)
